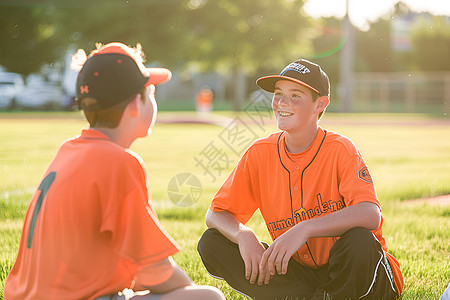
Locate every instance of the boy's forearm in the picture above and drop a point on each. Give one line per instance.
(227, 224)
(364, 214)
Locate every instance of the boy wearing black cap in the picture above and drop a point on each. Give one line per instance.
(90, 231)
(318, 201)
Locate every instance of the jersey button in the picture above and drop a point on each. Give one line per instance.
(297, 167)
(306, 256)
(295, 187)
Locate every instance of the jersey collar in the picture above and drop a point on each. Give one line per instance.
(93, 134)
(290, 160)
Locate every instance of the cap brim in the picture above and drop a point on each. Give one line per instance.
(158, 76)
(267, 83)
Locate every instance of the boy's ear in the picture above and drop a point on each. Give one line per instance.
(322, 103)
(133, 106)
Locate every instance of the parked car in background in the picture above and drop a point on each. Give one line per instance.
(11, 84)
(39, 93)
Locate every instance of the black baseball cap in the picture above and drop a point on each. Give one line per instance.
(113, 74)
(303, 72)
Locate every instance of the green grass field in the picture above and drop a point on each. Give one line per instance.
(408, 155)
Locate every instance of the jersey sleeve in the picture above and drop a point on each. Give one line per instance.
(356, 184)
(237, 195)
(136, 232)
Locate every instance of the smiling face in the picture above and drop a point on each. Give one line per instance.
(294, 106)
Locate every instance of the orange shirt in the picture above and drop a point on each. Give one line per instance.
(90, 227)
(289, 188)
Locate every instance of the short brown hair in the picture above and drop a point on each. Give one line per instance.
(109, 117)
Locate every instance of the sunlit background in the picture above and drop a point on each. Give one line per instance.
(363, 13)
(387, 56)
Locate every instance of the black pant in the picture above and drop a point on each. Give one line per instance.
(357, 270)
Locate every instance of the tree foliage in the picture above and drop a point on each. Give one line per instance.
(248, 35)
(374, 48)
(255, 37)
(157, 25)
(374, 51)
(430, 38)
(26, 38)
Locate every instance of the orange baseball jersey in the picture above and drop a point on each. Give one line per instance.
(290, 188)
(90, 227)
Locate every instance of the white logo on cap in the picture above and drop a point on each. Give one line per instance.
(296, 67)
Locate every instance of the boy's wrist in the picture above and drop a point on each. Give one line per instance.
(245, 234)
(303, 229)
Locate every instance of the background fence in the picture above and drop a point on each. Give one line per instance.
(408, 92)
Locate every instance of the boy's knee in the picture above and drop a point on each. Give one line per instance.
(207, 242)
(193, 292)
(360, 242)
(359, 235)
(211, 293)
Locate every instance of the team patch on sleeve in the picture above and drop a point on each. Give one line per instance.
(364, 174)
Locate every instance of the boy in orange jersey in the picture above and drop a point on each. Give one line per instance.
(90, 231)
(318, 201)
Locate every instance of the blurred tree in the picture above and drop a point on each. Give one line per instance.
(158, 25)
(235, 36)
(26, 37)
(430, 38)
(33, 33)
(251, 35)
(327, 45)
(247, 36)
(373, 48)
(374, 51)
